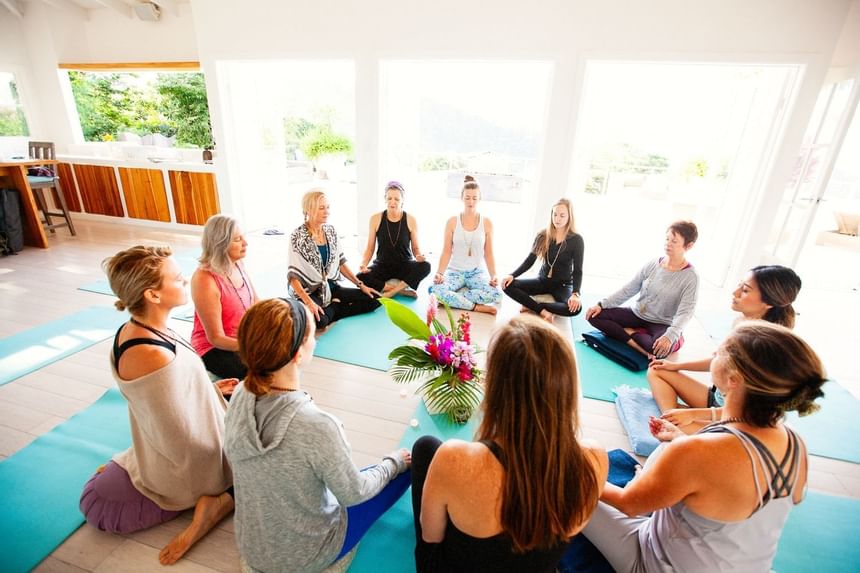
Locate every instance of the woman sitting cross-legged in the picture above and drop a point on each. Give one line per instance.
(468, 245)
(222, 292)
(176, 414)
(510, 501)
(301, 504)
(766, 293)
(718, 500)
(561, 249)
(394, 235)
(316, 265)
(668, 289)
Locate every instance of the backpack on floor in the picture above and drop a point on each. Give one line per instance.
(11, 227)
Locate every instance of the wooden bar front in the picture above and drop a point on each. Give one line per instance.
(16, 174)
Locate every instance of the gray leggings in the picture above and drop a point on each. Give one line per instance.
(617, 537)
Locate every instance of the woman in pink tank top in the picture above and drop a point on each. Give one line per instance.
(222, 292)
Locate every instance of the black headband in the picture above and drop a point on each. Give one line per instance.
(300, 325)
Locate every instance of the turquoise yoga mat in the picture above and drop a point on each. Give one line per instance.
(32, 349)
(366, 339)
(833, 431)
(821, 535)
(388, 546)
(187, 262)
(42, 483)
(598, 375)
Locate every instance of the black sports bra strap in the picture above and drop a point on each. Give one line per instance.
(497, 451)
(119, 349)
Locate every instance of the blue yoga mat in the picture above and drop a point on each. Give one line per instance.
(388, 546)
(32, 349)
(833, 431)
(598, 375)
(187, 263)
(366, 339)
(42, 483)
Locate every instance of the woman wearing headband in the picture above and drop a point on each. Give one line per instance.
(394, 235)
(468, 246)
(766, 293)
(718, 500)
(301, 504)
(317, 264)
(561, 248)
(175, 461)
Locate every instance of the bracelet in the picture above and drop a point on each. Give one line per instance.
(713, 414)
(359, 284)
(438, 274)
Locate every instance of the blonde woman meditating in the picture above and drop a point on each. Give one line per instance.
(561, 249)
(317, 263)
(176, 460)
(222, 292)
(767, 293)
(466, 256)
(393, 234)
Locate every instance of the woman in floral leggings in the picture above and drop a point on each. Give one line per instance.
(468, 246)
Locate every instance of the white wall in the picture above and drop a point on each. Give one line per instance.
(566, 31)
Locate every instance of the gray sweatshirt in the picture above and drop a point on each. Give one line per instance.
(293, 479)
(665, 297)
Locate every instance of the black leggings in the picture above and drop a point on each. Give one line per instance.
(613, 321)
(224, 363)
(521, 290)
(350, 301)
(410, 272)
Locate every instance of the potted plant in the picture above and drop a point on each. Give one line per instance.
(328, 150)
(444, 358)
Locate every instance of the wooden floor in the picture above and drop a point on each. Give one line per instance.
(38, 286)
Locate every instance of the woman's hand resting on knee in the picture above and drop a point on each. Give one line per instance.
(507, 280)
(593, 311)
(664, 430)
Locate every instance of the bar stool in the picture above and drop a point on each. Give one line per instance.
(50, 180)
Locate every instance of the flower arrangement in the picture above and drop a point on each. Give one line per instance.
(446, 359)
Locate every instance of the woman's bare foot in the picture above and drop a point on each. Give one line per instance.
(207, 513)
(547, 316)
(525, 309)
(408, 291)
(485, 308)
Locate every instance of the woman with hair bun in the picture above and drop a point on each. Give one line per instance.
(561, 248)
(176, 414)
(301, 504)
(719, 499)
(766, 293)
(393, 234)
(467, 254)
(222, 292)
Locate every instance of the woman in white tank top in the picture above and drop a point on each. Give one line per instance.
(462, 280)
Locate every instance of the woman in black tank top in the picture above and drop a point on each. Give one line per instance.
(472, 509)
(394, 235)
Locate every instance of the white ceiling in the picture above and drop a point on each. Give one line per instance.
(83, 7)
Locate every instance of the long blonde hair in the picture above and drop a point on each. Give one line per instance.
(546, 236)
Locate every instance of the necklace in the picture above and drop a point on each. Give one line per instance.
(164, 336)
(557, 253)
(244, 284)
(316, 234)
(732, 420)
(472, 236)
(276, 389)
(388, 228)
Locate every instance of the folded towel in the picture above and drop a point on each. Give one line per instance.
(635, 406)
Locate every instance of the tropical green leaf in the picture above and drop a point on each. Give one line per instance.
(411, 356)
(405, 374)
(450, 319)
(438, 327)
(405, 319)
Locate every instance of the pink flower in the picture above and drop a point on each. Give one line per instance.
(432, 305)
(464, 372)
(464, 328)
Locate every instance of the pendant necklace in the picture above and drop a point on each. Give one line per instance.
(471, 237)
(163, 335)
(557, 253)
(388, 228)
(236, 290)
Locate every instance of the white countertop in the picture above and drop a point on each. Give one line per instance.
(167, 164)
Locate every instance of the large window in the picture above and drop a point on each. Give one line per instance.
(442, 120)
(165, 109)
(291, 126)
(12, 120)
(658, 142)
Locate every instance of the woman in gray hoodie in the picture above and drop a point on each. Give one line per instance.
(301, 504)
